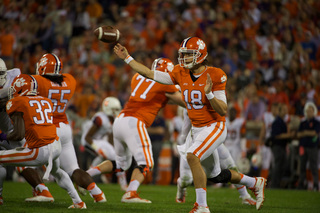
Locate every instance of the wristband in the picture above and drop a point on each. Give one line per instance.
(210, 95)
(128, 59)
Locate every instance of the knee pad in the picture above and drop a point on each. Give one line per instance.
(223, 177)
(144, 169)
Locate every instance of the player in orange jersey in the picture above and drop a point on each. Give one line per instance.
(59, 88)
(130, 136)
(203, 91)
(29, 174)
(32, 118)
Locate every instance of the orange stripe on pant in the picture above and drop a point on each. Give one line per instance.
(214, 140)
(20, 160)
(141, 139)
(148, 148)
(207, 138)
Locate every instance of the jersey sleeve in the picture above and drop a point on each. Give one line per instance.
(14, 105)
(171, 89)
(219, 79)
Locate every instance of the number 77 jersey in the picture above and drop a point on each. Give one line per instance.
(59, 95)
(146, 99)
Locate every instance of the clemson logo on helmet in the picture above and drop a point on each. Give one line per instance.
(201, 44)
(9, 105)
(20, 82)
(43, 61)
(170, 66)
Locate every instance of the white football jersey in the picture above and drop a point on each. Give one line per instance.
(234, 132)
(105, 128)
(5, 124)
(268, 119)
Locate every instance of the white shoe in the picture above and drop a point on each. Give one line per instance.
(81, 190)
(199, 209)
(258, 191)
(80, 205)
(133, 197)
(100, 198)
(181, 194)
(248, 200)
(44, 196)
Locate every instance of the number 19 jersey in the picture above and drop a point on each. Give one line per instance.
(59, 95)
(146, 99)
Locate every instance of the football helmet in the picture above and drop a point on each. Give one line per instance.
(111, 106)
(49, 64)
(162, 64)
(23, 85)
(3, 73)
(192, 51)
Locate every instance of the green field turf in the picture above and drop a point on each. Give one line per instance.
(163, 200)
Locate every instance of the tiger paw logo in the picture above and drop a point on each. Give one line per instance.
(43, 61)
(201, 44)
(9, 105)
(20, 82)
(223, 79)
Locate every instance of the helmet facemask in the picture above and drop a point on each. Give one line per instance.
(188, 61)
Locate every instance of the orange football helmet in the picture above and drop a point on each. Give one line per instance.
(23, 85)
(162, 64)
(192, 51)
(49, 64)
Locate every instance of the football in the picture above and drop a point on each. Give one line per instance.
(107, 34)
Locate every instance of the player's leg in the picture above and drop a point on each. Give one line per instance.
(227, 162)
(69, 163)
(40, 190)
(206, 141)
(133, 132)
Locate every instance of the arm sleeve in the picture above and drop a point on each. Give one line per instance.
(4, 92)
(221, 95)
(162, 77)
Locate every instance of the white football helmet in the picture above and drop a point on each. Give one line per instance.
(3, 73)
(111, 106)
(243, 165)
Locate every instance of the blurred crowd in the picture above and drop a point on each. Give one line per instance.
(270, 49)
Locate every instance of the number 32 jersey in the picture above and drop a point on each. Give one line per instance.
(37, 116)
(146, 99)
(59, 95)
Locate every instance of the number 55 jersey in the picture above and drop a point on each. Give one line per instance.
(59, 95)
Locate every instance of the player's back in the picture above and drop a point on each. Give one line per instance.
(38, 120)
(234, 131)
(60, 95)
(147, 98)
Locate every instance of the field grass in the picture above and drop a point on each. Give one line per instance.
(163, 200)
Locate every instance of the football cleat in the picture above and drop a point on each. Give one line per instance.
(199, 209)
(1, 200)
(44, 196)
(81, 190)
(80, 205)
(100, 198)
(133, 197)
(248, 200)
(258, 191)
(181, 194)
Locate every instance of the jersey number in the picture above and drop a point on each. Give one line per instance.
(195, 96)
(55, 102)
(43, 113)
(142, 79)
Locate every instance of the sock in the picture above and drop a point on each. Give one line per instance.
(247, 181)
(41, 187)
(133, 186)
(201, 194)
(242, 190)
(94, 189)
(94, 171)
(122, 178)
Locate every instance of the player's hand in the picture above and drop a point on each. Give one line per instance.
(120, 51)
(208, 86)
